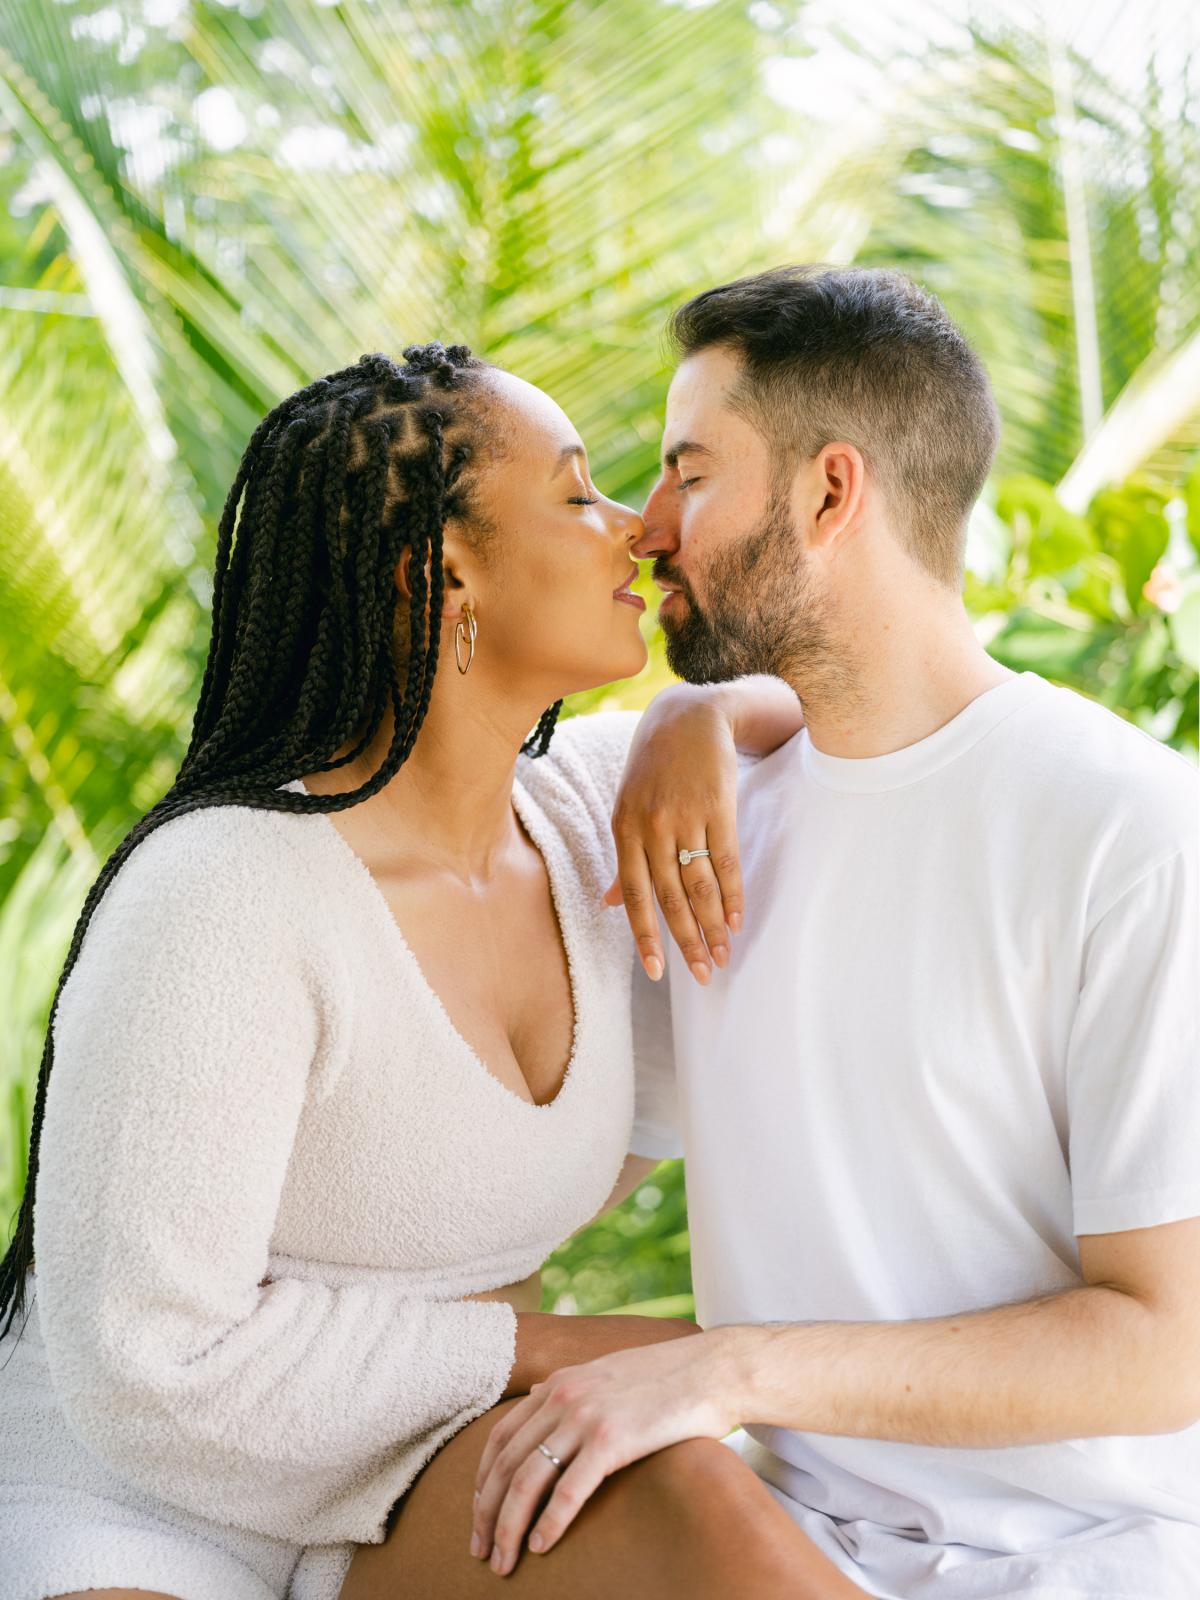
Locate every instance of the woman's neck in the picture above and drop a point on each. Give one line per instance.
(451, 801)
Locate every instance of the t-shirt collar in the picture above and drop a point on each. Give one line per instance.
(871, 774)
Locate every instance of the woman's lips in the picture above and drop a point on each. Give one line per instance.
(626, 593)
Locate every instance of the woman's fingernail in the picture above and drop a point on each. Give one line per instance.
(476, 1545)
(735, 922)
(720, 954)
(497, 1560)
(653, 968)
(535, 1541)
(699, 972)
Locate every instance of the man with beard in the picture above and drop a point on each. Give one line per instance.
(941, 1106)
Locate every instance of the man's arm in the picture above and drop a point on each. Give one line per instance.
(1119, 1355)
(1115, 1356)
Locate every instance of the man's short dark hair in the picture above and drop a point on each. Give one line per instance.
(862, 354)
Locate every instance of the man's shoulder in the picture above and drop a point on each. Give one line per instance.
(1087, 762)
(1087, 798)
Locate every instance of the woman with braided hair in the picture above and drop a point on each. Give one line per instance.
(344, 1043)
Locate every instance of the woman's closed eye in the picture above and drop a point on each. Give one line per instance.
(582, 500)
(686, 484)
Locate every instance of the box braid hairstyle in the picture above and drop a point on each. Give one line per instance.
(335, 482)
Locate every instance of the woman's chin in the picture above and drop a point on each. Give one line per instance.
(638, 657)
(627, 662)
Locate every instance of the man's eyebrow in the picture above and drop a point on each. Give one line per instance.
(565, 454)
(685, 447)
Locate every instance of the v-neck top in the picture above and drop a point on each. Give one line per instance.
(253, 1079)
(550, 852)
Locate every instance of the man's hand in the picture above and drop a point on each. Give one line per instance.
(596, 1418)
(679, 791)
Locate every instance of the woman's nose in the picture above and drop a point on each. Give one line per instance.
(630, 525)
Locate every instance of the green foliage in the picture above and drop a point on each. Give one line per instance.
(1075, 600)
(634, 1258)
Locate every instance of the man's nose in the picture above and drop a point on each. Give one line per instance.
(661, 532)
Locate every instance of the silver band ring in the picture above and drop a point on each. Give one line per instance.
(690, 855)
(550, 1456)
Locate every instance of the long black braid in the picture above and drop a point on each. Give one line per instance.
(335, 482)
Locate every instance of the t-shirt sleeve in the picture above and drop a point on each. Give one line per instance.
(1133, 1059)
(189, 1037)
(656, 1132)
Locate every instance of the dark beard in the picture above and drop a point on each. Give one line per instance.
(762, 616)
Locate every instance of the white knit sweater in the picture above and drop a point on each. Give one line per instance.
(253, 1077)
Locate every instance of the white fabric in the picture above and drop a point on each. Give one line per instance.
(253, 1078)
(958, 1030)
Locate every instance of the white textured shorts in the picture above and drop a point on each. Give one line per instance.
(67, 1522)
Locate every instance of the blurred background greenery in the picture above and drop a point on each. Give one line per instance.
(203, 205)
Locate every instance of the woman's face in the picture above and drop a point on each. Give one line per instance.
(542, 589)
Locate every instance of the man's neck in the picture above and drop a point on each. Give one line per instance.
(895, 683)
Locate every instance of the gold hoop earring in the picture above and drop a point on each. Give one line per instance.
(459, 633)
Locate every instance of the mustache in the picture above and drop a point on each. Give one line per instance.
(665, 575)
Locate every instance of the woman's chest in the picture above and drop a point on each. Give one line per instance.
(416, 1156)
(494, 958)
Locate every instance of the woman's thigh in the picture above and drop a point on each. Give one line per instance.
(690, 1521)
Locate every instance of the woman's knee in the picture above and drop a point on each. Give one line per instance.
(732, 1526)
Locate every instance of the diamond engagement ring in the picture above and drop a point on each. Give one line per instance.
(550, 1456)
(690, 855)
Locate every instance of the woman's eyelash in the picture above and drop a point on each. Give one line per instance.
(581, 500)
(686, 484)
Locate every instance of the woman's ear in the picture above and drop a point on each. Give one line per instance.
(402, 570)
(457, 586)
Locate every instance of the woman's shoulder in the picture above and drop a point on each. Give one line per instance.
(214, 869)
(587, 752)
(578, 777)
(210, 937)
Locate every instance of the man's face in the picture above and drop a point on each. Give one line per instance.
(741, 597)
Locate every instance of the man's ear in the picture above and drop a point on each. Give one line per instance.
(835, 485)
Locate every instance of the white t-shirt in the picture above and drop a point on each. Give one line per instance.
(958, 1030)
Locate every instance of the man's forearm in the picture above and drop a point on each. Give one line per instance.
(1084, 1362)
